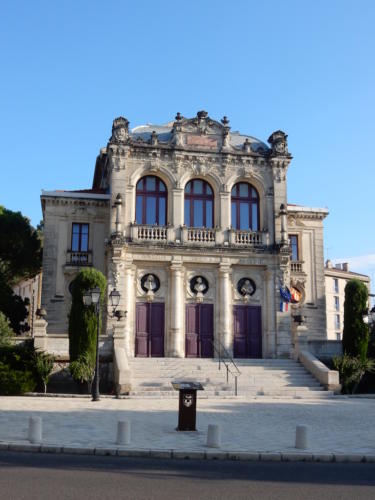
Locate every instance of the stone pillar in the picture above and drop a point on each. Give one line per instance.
(225, 217)
(225, 307)
(129, 288)
(176, 338)
(40, 334)
(269, 350)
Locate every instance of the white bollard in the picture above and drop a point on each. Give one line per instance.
(123, 432)
(35, 430)
(213, 436)
(302, 437)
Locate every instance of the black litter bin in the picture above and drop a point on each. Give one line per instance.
(187, 410)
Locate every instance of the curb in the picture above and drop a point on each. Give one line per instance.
(193, 454)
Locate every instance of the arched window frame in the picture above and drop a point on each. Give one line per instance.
(191, 200)
(143, 197)
(238, 200)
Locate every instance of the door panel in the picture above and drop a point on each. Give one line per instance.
(149, 336)
(199, 330)
(192, 331)
(206, 332)
(247, 341)
(157, 330)
(141, 337)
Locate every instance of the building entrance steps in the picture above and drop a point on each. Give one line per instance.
(152, 377)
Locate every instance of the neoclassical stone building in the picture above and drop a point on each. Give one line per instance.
(191, 223)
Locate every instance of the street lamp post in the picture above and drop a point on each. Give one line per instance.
(92, 297)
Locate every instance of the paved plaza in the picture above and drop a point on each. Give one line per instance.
(338, 427)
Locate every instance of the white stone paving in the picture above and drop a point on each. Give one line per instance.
(337, 425)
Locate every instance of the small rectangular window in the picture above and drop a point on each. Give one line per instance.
(293, 242)
(336, 285)
(337, 304)
(337, 322)
(80, 237)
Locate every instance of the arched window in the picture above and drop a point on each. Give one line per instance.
(199, 204)
(245, 207)
(151, 202)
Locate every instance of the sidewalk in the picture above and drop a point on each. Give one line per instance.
(340, 429)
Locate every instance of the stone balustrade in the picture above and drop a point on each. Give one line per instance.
(198, 235)
(156, 234)
(247, 238)
(296, 266)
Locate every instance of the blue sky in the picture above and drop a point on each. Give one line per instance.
(68, 68)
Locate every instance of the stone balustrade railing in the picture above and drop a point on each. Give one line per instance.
(156, 234)
(191, 235)
(296, 266)
(247, 238)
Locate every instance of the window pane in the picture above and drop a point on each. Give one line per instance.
(161, 186)
(198, 187)
(208, 189)
(150, 184)
(150, 210)
(85, 229)
(161, 220)
(75, 242)
(234, 191)
(75, 229)
(84, 243)
(244, 190)
(140, 184)
(254, 194)
(187, 213)
(234, 216)
(209, 221)
(138, 210)
(293, 239)
(244, 216)
(188, 187)
(254, 217)
(198, 213)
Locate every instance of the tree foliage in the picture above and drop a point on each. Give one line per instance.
(352, 370)
(6, 332)
(20, 257)
(82, 319)
(355, 334)
(20, 247)
(83, 370)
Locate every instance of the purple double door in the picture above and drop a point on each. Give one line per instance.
(247, 324)
(149, 331)
(199, 331)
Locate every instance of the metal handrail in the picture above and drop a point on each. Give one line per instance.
(228, 363)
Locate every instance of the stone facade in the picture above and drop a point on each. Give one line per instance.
(336, 278)
(213, 268)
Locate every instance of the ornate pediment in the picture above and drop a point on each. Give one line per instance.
(201, 132)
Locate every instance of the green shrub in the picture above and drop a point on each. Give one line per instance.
(355, 335)
(6, 332)
(43, 366)
(83, 370)
(14, 382)
(82, 319)
(351, 370)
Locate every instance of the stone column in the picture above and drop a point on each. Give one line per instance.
(225, 217)
(129, 289)
(225, 307)
(269, 351)
(40, 334)
(176, 334)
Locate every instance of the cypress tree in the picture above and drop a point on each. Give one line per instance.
(82, 319)
(355, 335)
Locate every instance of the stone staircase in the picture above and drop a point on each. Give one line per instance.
(152, 377)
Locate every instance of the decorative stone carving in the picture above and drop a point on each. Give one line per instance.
(154, 138)
(120, 131)
(246, 287)
(150, 284)
(279, 143)
(199, 287)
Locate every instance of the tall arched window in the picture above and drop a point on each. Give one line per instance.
(199, 204)
(151, 202)
(245, 207)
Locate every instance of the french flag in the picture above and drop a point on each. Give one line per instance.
(283, 306)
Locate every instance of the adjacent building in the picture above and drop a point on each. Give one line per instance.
(336, 277)
(190, 222)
